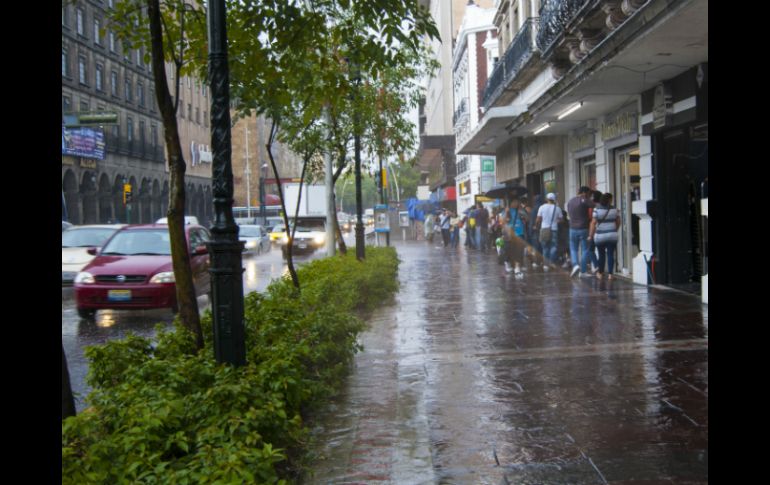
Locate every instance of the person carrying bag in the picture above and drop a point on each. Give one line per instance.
(548, 236)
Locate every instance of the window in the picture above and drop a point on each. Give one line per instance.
(130, 129)
(99, 77)
(84, 106)
(128, 90)
(154, 135)
(549, 182)
(97, 35)
(139, 58)
(81, 22)
(82, 73)
(114, 82)
(112, 42)
(141, 132)
(140, 94)
(198, 115)
(66, 104)
(65, 62)
(189, 111)
(588, 172)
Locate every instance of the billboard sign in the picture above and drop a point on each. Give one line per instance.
(82, 142)
(381, 218)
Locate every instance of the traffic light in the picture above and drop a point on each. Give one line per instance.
(126, 194)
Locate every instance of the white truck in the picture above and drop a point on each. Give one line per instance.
(310, 219)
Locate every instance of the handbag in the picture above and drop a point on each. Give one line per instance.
(545, 232)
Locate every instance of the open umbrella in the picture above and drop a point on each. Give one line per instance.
(500, 191)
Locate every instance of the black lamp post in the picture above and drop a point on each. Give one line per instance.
(360, 241)
(225, 248)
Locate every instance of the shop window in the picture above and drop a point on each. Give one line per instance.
(588, 173)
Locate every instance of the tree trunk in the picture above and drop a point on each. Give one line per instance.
(185, 290)
(67, 401)
(290, 260)
(342, 246)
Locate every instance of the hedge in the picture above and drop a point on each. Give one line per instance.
(162, 413)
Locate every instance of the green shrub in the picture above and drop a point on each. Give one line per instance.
(162, 413)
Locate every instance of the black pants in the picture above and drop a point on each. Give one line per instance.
(445, 236)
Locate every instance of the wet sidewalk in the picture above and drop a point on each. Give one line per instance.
(474, 377)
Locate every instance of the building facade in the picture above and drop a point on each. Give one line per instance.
(100, 74)
(475, 54)
(612, 95)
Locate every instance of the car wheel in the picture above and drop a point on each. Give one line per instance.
(86, 313)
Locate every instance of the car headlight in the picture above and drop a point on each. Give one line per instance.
(251, 244)
(85, 278)
(166, 277)
(319, 239)
(285, 239)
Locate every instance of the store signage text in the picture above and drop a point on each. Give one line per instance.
(487, 164)
(582, 141)
(88, 163)
(663, 106)
(624, 124)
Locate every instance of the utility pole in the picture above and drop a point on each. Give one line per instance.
(225, 249)
(360, 241)
(248, 174)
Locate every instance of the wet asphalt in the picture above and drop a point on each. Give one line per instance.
(473, 377)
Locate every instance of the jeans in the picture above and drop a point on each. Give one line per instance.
(592, 253)
(454, 238)
(445, 236)
(481, 238)
(609, 248)
(576, 238)
(549, 248)
(470, 239)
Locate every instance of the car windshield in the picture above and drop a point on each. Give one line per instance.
(139, 242)
(279, 228)
(310, 225)
(85, 238)
(250, 231)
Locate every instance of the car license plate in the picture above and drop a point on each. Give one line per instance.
(303, 246)
(119, 295)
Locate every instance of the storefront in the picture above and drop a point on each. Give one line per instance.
(676, 121)
(543, 162)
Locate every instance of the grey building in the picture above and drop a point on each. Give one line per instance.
(99, 73)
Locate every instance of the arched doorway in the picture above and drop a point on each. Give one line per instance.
(88, 195)
(71, 196)
(117, 198)
(156, 214)
(164, 199)
(105, 200)
(144, 200)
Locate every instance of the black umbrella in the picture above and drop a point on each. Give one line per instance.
(501, 191)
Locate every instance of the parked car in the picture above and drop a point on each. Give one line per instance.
(256, 239)
(133, 270)
(309, 236)
(187, 220)
(75, 243)
(65, 225)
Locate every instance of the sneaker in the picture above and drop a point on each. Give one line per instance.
(586, 275)
(594, 269)
(546, 268)
(575, 271)
(519, 275)
(508, 268)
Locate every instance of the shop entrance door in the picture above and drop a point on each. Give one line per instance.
(626, 190)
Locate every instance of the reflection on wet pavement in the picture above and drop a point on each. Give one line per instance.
(258, 272)
(471, 376)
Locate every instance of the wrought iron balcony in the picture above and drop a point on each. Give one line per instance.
(508, 67)
(461, 110)
(554, 17)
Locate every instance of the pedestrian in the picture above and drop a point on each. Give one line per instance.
(444, 223)
(471, 228)
(429, 227)
(495, 225)
(547, 225)
(534, 235)
(455, 224)
(604, 232)
(514, 238)
(597, 196)
(577, 208)
(482, 226)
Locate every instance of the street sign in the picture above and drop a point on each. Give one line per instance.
(403, 219)
(90, 118)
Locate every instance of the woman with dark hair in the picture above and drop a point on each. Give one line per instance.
(604, 233)
(597, 197)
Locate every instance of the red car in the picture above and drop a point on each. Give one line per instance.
(133, 270)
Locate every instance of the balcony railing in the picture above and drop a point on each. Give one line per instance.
(554, 17)
(134, 148)
(461, 110)
(518, 52)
